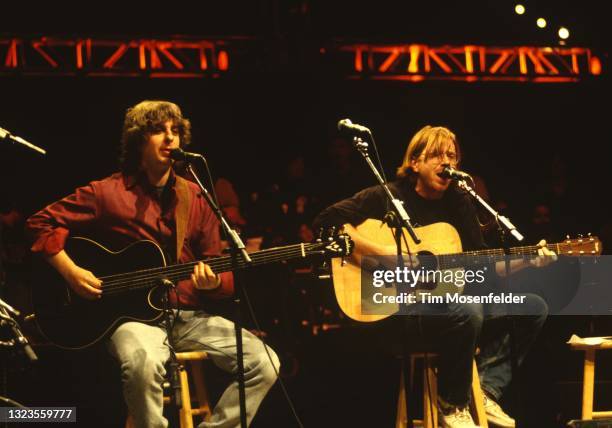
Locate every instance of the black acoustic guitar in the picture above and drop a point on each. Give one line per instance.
(131, 287)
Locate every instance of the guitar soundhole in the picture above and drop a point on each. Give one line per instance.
(427, 262)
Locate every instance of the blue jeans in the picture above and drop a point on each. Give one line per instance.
(142, 351)
(454, 331)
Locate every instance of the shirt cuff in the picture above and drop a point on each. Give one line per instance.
(51, 243)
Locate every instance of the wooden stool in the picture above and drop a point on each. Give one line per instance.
(195, 362)
(430, 395)
(588, 385)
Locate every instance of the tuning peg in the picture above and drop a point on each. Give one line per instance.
(323, 270)
(319, 235)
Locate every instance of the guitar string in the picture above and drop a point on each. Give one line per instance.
(527, 250)
(145, 282)
(450, 260)
(187, 268)
(517, 250)
(215, 261)
(126, 281)
(261, 252)
(141, 283)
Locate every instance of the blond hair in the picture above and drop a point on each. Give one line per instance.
(429, 140)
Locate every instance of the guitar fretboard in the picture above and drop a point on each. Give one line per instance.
(498, 254)
(150, 277)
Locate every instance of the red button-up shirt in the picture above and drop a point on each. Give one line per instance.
(121, 209)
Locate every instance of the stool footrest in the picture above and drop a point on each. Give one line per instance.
(201, 411)
(192, 355)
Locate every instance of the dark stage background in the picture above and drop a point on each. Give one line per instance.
(524, 140)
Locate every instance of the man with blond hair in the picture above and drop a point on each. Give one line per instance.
(454, 329)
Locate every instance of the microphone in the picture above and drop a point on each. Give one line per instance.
(181, 155)
(345, 126)
(9, 308)
(166, 282)
(6, 135)
(19, 338)
(454, 174)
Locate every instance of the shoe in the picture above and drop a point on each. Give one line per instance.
(456, 418)
(495, 415)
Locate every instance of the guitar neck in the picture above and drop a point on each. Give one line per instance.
(528, 250)
(497, 254)
(151, 277)
(230, 263)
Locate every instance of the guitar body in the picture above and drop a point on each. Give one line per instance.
(442, 243)
(130, 285)
(72, 322)
(436, 238)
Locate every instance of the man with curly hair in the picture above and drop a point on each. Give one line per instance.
(138, 203)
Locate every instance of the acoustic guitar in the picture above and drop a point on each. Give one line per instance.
(132, 285)
(441, 243)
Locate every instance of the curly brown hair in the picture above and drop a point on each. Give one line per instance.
(141, 121)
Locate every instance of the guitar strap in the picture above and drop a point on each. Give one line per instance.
(182, 213)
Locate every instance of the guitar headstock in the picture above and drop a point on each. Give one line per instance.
(335, 244)
(581, 246)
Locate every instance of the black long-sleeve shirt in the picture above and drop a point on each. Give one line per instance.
(455, 208)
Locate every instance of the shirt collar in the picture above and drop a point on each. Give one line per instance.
(140, 178)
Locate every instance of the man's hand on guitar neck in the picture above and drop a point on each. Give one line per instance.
(83, 282)
(545, 256)
(204, 278)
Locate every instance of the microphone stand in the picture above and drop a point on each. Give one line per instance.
(397, 218)
(397, 206)
(503, 222)
(173, 365)
(238, 253)
(504, 226)
(19, 339)
(5, 135)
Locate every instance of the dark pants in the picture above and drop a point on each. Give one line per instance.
(455, 330)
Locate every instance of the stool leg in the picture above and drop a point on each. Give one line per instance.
(403, 417)
(129, 422)
(401, 420)
(185, 412)
(588, 384)
(197, 375)
(478, 410)
(430, 394)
